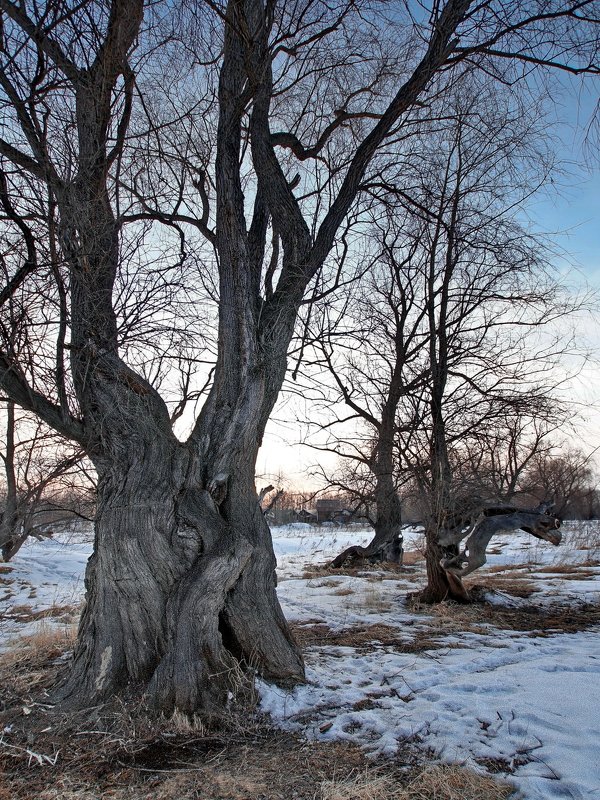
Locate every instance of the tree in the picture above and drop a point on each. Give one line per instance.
(493, 462)
(437, 348)
(567, 478)
(181, 586)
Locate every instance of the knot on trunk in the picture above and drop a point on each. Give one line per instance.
(217, 487)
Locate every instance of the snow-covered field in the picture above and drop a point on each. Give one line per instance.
(523, 701)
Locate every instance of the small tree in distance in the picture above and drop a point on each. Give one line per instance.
(45, 482)
(566, 476)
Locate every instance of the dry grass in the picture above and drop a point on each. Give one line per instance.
(453, 618)
(568, 570)
(584, 535)
(26, 613)
(25, 666)
(439, 782)
(365, 637)
(510, 584)
(372, 602)
(365, 786)
(362, 569)
(329, 583)
(412, 557)
(122, 752)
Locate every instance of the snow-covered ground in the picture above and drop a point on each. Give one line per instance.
(523, 700)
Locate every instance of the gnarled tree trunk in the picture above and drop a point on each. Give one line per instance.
(386, 544)
(441, 584)
(181, 588)
(9, 514)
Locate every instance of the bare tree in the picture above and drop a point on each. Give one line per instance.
(566, 476)
(492, 462)
(436, 348)
(181, 586)
(46, 482)
(486, 291)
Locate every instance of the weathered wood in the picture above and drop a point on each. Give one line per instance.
(538, 523)
(389, 550)
(180, 602)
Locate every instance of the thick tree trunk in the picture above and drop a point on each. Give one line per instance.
(181, 601)
(181, 588)
(386, 544)
(441, 585)
(223, 617)
(9, 515)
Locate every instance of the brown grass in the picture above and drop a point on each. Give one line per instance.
(330, 583)
(372, 602)
(361, 569)
(568, 570)
(510, 584)
(439, 782)
(25, 667)
(26, 613)
(539, 620)
(412, 557)
(365, 637)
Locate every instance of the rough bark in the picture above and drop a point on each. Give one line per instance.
(491, 521)
(180, 594)
(386, 544)
(441, 584)
(181, 586)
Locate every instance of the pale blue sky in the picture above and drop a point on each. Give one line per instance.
(570, 207)
(573, 216)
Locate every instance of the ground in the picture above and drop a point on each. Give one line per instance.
(402, 701)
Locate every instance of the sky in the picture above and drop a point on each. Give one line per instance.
(568, 210)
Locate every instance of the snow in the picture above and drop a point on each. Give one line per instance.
(502, 699)
(43, 576)
(527, 701)
(524, 701)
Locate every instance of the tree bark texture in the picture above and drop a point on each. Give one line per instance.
(386, 544)
(180, 589)
(9, 515)
(441, 585)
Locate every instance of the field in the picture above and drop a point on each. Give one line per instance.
(494, 699)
